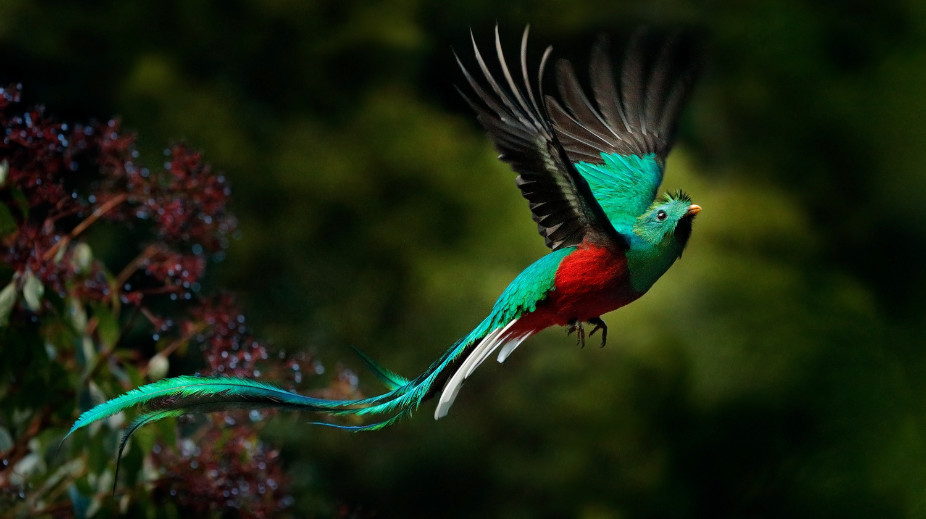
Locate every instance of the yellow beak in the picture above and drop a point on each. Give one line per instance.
(693, 209)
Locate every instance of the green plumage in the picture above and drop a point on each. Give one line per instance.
(522, 295)
(389, 378)
(193, 392)
(624, 185)
(181, 395)
(655, 245)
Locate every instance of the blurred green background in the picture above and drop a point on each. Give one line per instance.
(776, 371)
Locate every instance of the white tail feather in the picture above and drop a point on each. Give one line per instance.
(496, 338)
(510, 346)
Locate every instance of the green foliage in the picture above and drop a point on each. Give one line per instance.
(776, 371)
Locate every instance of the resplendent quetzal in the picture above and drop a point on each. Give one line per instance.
(590, 172)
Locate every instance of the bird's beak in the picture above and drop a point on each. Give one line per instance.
(693, 209)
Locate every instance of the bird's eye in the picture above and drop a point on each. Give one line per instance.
(661, 215)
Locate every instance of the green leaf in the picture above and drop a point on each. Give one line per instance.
(7, 222)
(81, 257)
(4, 171)
(22, 202)
(157, 367)
(6, 440)
(107, 325)
(7, 301)
(30, 465)
(77, 314)
(33, 290)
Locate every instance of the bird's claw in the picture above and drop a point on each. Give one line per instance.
(576, 326)
(599, 325)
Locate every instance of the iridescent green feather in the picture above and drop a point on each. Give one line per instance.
(186, 392)
(389, 378)
(522, 295)
(624, 185)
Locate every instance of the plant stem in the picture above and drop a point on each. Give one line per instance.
(82, 226)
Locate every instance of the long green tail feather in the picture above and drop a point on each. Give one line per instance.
(189, 392)
(174, 397)
(389, 378)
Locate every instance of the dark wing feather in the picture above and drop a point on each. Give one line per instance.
(637, 113)
(560, 199)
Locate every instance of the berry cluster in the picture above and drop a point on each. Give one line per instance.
(223, 470)
(227, 344)
(59, 182)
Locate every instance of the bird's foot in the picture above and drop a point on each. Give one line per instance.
(599, 325)
(575, 325)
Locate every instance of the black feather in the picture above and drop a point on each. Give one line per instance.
(516, 118)
(638, 117)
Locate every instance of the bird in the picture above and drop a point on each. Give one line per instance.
(590, 170)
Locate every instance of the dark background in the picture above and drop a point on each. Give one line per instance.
(776, 371)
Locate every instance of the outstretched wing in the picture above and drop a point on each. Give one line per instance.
(560, 199)
(619, 144)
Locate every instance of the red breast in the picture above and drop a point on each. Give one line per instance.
(590, 282)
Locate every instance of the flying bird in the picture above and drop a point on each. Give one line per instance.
(590, 169)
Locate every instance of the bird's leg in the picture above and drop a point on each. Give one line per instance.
(575, 325)
(599, 325)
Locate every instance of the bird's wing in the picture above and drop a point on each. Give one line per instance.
(560, 199)
(620, 142)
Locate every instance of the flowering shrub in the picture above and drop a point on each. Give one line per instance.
(76, 328)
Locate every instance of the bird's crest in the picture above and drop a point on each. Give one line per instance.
(679, 195)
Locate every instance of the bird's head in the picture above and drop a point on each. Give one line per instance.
(667, 223)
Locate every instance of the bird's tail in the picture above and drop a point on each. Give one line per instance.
(192, 394)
